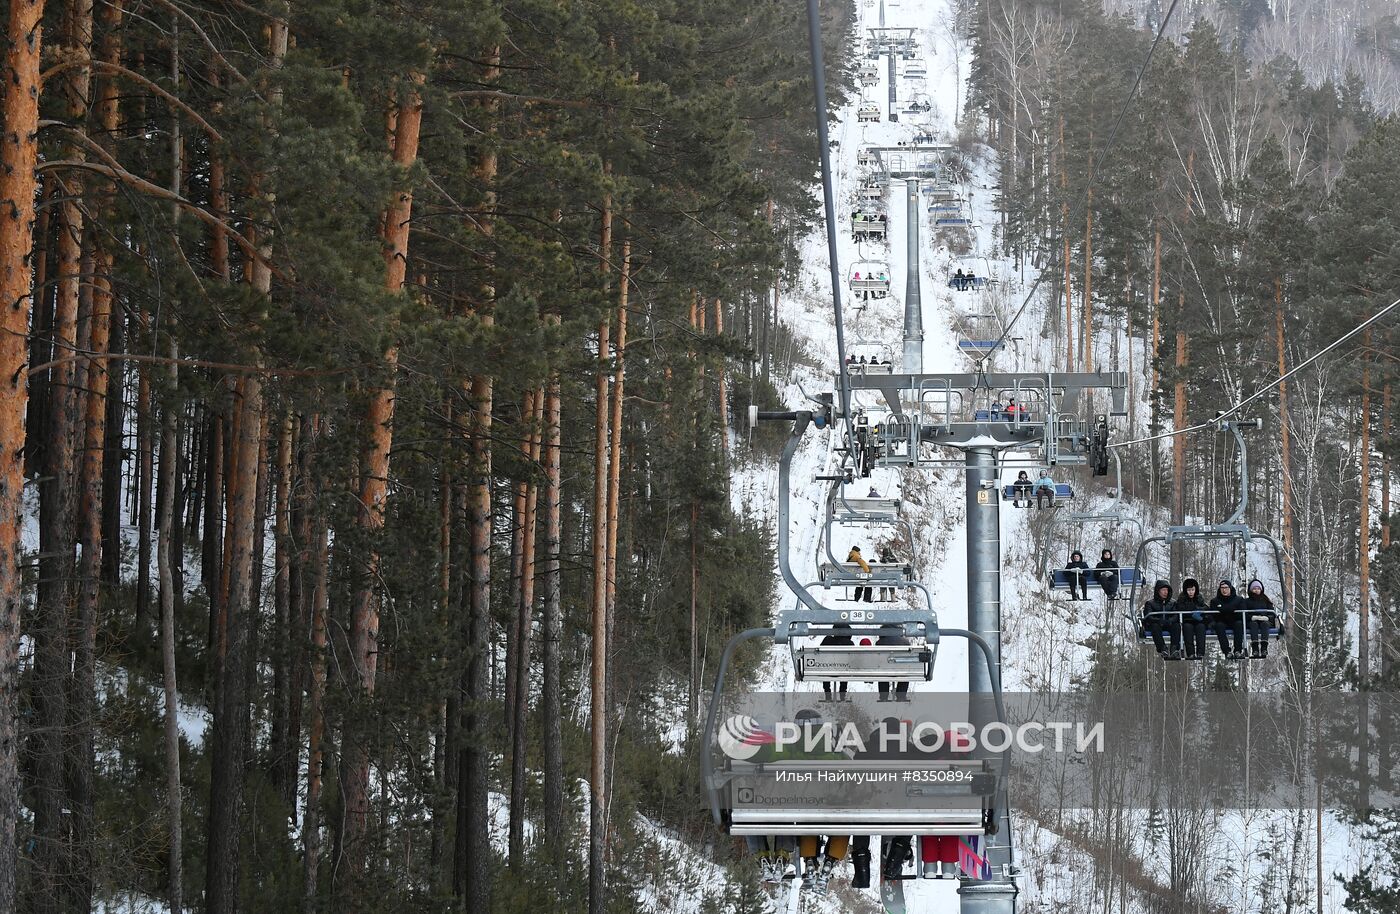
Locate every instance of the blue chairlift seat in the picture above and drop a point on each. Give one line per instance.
(980, 346)
(951, 221)
(1063, 490)
(1275, 631)
(1127, 577)
(975, 283)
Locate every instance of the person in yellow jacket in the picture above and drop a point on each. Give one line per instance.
(862, 593)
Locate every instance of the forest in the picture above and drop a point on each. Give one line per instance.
(348, 347)
(376, 380)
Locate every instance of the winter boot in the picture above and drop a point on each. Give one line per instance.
(897, 851)
(860, 861)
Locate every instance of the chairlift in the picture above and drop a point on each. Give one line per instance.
(868, 225)
(1128, 577)
(1234, 531)
(871, 191)
(867, 158)
(968, 282)
(868, 113)
(869, 279)
(906, 639)
(951, 221)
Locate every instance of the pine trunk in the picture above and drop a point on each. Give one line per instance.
(1285, 436)
(1156, 351)
(374, 488)
(113, 457)
(723, 389)
(166, 558)
(472, 853)
(523, 626)
(229, 747)
(597, 887)
(615, 428)
(1086, 333)
(1363, 638)
(1064, 230)
(281, 648)
(18, 155)
(315, 702)
(551, 706)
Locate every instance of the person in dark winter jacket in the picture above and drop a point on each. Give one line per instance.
(1021, 488)
(1075, 570)
(1159, 618)
(886, 558)
(1259, 617)
(891, 634)
(840, 638)
(1227, 618)
(1106, 573)
(1192, 611)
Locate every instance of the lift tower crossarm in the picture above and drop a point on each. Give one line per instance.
(1066, 385)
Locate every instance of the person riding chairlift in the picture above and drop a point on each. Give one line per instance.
(1106, 573)
(1227, 618)
(1076, 570)
(1044, 489)
(1259, 617)
(1021, 488)
(1158, 619)
(862, 593)
(1191, 609)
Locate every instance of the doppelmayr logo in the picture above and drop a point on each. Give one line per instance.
(741, 738)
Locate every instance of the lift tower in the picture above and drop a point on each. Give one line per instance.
(934, 411)
(913, 303)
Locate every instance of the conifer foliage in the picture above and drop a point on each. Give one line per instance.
(347, 348)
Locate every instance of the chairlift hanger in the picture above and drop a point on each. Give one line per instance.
(1234, 530)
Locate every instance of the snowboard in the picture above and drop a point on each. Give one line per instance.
(892, 895)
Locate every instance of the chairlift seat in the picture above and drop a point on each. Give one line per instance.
(849, 574)
(1127, 577)
(976, 283)
(877, 285)
(868, 114)
(952, 221)
(871, 506)
(1063, 491)
(980, 346)
(868, 227)
(1275, 631)
(932, 805)
(868, 662)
